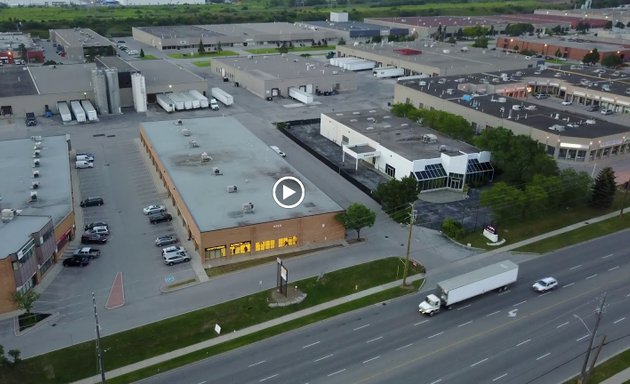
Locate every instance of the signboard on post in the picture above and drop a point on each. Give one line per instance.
(491, 233)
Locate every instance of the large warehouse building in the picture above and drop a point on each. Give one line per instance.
(227, 35)
(82, 44)
(490, 100)
(36, 209)
(273, 75)
(572, 49)
(220, 177)
(398, 148)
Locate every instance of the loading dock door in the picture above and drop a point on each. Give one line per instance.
(6, 110)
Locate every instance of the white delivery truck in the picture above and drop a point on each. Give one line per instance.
(463, 287)
(203, 101)
(77, 111)
(165, 102)
(382, 73)
(222, 96)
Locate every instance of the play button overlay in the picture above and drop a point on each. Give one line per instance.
(288, 192)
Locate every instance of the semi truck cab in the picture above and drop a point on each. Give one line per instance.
(430, 306)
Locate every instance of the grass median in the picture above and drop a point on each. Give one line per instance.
(124, 348)
(607, 369)
(197, 55)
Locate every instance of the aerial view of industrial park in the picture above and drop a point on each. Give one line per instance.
(314, 191)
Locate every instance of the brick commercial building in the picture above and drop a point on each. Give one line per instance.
(568, 49)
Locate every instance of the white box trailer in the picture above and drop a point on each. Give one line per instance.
(341, 61)
(188, 103)
(203, 101)
(382, 73)
(165, 102)
(413, 77)
(177, 100)
(300, 95)
(350, 61)
(463, 287)
(195, 103)
(90, 111)
(362, 65)
(64, 111)
(77, 111)
(222, 96)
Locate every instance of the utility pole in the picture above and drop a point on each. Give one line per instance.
(412, 219)
(599, 311)
(625, 195)
(99, 352)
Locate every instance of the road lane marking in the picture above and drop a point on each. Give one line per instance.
(436, 381)
(337, 372)
(437, 334)
(607, 256)
(543, 356)
(422, 322)
(493, 313)
(568, 285)
(523, 342)
(591, 276)
(374, 358)
(543, 294)
(258, 363)
(562, 325)
(522, 302)
(267, 378)
(619, 320)
(310, 345)
(361, 327)
(582, 338)
(613, 268)
(322, 358)
(499, 377)
(466, 323)
(479, 362)
(404, 346)
(374, 339)
(464, 307)
(575, 267)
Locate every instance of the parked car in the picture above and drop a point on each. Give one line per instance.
(160, 217)
(165, 240)
(99, 231)
(76, 261)
(606, 112)
(151, 209)
(176, 257)
(567, 102)
(96, 224)
(172, 249)
(93, 238)
(82, 164)
(86, 154)
(92, 202)
(31, 120)
(545, 284)
(593, 108)
(541, 96)
(84, 157)
(132, 52)
(88, 252)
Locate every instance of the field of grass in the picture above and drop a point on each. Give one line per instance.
(148, 57)
(607, 369)
(201, 63)
(196, 55)
(519, 230)
(79, 361)
(262, 51)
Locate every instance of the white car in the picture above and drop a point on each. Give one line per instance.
(567, 102)
(132, 52)
(151, 209)
(545, 284)
(172, 249)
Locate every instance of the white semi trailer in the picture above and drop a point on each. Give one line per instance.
(77, 111)
(203, 101)
(222, 96)
(382, 73)
(497, 276)
(177, 100)
(300, 95)
(90, 111)
(165, 102)
(64, 111)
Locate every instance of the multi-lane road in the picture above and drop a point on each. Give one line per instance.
(514, 337)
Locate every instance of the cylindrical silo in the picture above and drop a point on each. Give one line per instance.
(100, 91)
(139, 92)
(113, 90)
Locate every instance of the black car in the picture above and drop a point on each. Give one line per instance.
(96, 224)
(76, 261)
(165, 240)
(160, 217)
(31, 120)
(92, 202)
(93, 238)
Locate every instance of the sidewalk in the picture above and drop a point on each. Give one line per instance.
(621, 377)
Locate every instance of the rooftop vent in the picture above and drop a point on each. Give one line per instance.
(35, 174)
(179, 122)
(35, 184)
(186, 131)
(356, 113)
(232, 189)
(38, 145)
(36, 138)
(248, 207)
(193, 144)
(35, 163)
(216, 171)
(33, 196)
(205, 157)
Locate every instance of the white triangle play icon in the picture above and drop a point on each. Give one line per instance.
(287, 192)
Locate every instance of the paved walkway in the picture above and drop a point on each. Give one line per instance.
(617, 379)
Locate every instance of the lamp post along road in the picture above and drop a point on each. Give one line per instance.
(99, 352)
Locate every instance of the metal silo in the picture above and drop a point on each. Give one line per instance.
(113, 90)
(139, 92)
(100, 91)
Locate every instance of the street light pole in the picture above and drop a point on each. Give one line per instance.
(412, 219)
(99, 352)
(600, 310)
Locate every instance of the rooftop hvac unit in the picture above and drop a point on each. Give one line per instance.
(248, 208)
(9, 214)
(33, 196)
(38, 145)
(442, 148)
(36, 138)
(429, 138)
(216, 171)
(186, 132)
(36, 163)
(35, 185)
(36, 153)
(205, 157)
(35, 174)
(180, 122)
(232, 189)
(193, 144)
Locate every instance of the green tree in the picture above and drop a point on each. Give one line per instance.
(357, 217)
(451, 40)
(459, 34)
(558, 53)
(452, 228)
(519, 29)
(505, 201)
(283, 48)
(612, 61)
(592, 57)
(396, 195)
(341, 41)
(582, 27)
(377, 39)
(201, 48)
(26, 300)
(535, 200)
(23, 52)
(15, 355)
(141, 52)
(475, 31)
(608, 25)
(219, 47)
(481, 42)
(604, 189)
(620, 25)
